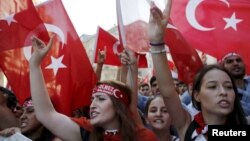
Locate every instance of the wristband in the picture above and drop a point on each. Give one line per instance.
(157, 51)
(157, 44)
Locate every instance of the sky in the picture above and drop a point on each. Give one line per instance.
(86, 15)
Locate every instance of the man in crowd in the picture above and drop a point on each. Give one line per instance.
(236, 67)
(154, 86)
(144, 89)
(8, 103)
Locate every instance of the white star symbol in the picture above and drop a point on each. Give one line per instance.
(56, 64)
(10, 19)
(231, 22)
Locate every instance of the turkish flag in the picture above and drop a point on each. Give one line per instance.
(113, 48)
(16, 26)
(68, 73)
(67, 70)
(18, 22)
(215, 27)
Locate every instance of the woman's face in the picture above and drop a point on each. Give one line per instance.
(158, 116)
(28, 120)
(216, 94)
(102, 111)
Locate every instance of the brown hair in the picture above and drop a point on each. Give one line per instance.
(127, 125)
(237, 116)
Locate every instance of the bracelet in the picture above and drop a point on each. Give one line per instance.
(157, 51)
(157, 44)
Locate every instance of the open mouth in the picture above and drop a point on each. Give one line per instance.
(23, 124)
(159, 121)
(224, 103)
(93, 114)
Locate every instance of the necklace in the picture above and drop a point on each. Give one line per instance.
(111, 132)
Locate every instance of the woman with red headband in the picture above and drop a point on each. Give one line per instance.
(113, 111)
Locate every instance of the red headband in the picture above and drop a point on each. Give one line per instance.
(27, 103)
(112, 91)
(230, 54)
(222, 59)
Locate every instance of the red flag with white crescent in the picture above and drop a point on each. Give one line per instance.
(113, 48)
(68, 73)
(215, 27)
(18, 22)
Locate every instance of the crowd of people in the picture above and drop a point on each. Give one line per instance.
(164, 109)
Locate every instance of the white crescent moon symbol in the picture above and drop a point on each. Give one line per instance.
(57, 30)
(50, 28)
(226, 2)
(115, 94)
(27, 52)
(190, 14)
(115, 45)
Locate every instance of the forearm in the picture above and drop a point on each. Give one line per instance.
(99, 71)
(39, 93)
(123, 73)
(167, 89)
(132, 79)
(162, 72)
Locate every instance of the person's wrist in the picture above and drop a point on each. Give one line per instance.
(156, 44)
(157, 47)
(156, 39)
(100, 63)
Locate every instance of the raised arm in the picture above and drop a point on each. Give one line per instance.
(122, 71)
(157, 24)
(128, 60)
(100, 61)
(59, 124)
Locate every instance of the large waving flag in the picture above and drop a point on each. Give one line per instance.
(67, 70)
(133, 17)
(18, 22)
(113, 48)
(68, 73)
(215, 27)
